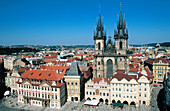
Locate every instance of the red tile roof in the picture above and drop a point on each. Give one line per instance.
(61, 69)
(98, 79)
(50, 75)
(151, 60)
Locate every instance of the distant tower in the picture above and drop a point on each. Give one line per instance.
(100, 44)
(121, 37)
(108, 59)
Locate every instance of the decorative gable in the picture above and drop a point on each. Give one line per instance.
(20, 80)
(54, 83)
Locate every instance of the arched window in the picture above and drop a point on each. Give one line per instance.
(120, 45)
(109, 68)
(99, 46)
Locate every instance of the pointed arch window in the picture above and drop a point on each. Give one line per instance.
(120, 45)
(99, 46)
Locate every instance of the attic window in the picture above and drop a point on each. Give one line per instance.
(49, 74)
(31, 74)
(39, 74)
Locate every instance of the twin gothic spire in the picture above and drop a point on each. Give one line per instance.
(120, 32)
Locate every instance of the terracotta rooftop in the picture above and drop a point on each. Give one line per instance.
(60, 69)
(98, 79)
(42, 75)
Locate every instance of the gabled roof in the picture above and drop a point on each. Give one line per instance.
(42, 75)
(74, 70)
(98, 79)
(60, 69)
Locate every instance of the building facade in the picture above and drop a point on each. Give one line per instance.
(109, 58)
(98, 89)
(42, 88)
(159, 67)
(75, 83)
(132, 88)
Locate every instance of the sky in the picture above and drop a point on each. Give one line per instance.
(72, 22)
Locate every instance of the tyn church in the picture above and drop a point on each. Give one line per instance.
(110, 58)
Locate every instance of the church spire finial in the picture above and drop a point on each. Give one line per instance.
(99, 9)
(120, 6)
(99, 16)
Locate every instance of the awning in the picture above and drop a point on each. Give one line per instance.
(92, 102)
(6, 93)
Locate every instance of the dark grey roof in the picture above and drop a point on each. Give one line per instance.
(74, 70)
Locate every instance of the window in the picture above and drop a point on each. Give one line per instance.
(68, 83)
(123, 95)
(72, 83)
(55, 97)
(139, 94)
(100, 94)
(116, 89)
(42, 88)
(135, 96)
(98, 63)
(113, 89)
(134, 90)
(107, 94)
(103, 94)
(93, 93)
(119, 89)
(48, 96)
(52, 96)
(116, 95)
(131, 96)
(145, 89)
(90, 93)
(130, 90)
(145, 95)
(127, 90)
(120, 44)
(139, 89)
(123, 89)
(87, 93)
(99, 46)
(42, 95)
(119, 95)
(113, 95)
(76, 83)
(127, 85)
(113, 84)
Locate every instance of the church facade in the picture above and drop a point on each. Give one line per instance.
(109, 57)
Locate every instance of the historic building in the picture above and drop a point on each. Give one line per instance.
(98, 89)
(133, 88)
(109, 57)
(42, 88)
(75, 83)
(159, 67)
